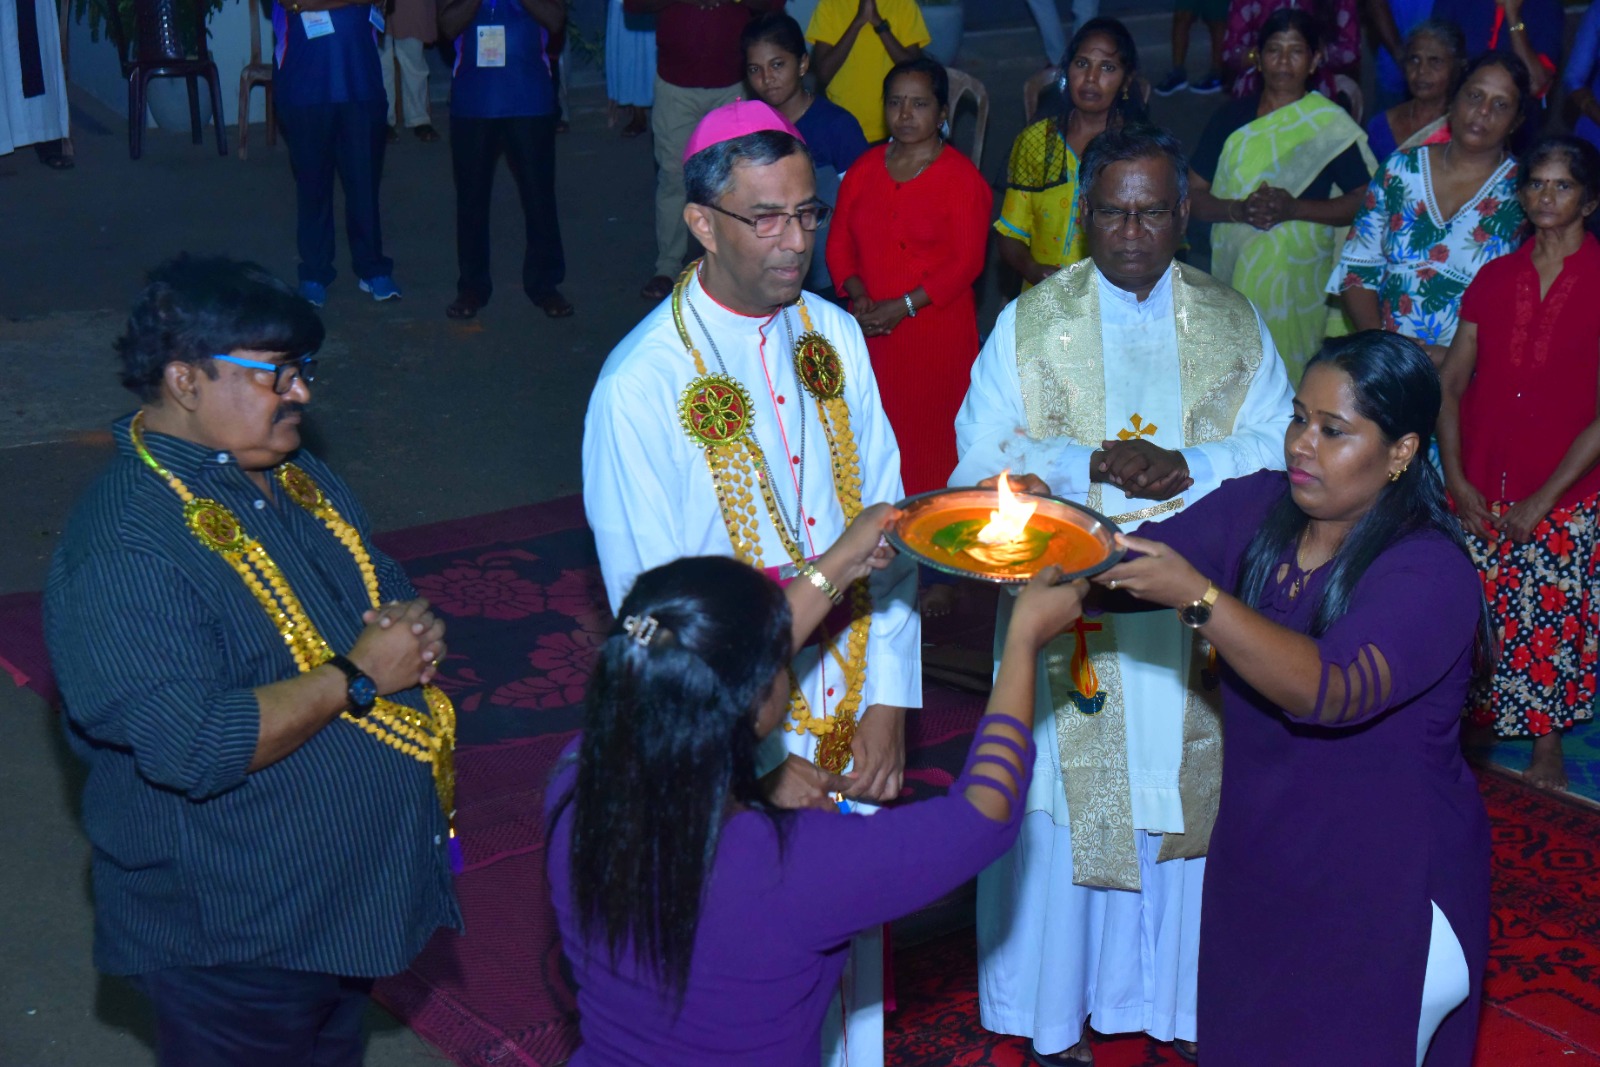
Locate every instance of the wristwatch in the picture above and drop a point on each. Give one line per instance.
(360, 691)
(881, 26)
(1198, 614)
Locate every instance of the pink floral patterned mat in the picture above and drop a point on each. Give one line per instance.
(522, 596)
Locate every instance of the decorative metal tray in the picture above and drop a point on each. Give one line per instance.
(940, 528)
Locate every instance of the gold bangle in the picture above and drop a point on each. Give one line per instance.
(1518, 27)
(820, 580)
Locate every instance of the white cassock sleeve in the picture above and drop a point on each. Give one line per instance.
(992, 425)
(627, 449)
(1256, 442)
(894, 643)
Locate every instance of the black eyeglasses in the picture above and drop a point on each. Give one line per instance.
(1112, 219)
(283, 374)
(773, 225)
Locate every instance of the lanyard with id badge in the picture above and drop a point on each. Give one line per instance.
(320, 23)
(492, 42)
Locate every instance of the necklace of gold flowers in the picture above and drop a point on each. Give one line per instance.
(716, 413)
(428, 739)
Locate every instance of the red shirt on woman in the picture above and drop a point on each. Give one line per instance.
(930, 231)
(1538, 369)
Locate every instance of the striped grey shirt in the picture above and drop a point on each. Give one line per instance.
(332, 859)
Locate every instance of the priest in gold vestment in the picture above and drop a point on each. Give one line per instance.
(1135, 385)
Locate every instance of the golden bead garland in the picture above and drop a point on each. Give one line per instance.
(429, 738)
(735, 465)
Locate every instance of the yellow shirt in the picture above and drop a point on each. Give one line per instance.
(1041, 204)
(858, 86)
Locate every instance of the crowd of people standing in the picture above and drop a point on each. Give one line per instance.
(1354, 463)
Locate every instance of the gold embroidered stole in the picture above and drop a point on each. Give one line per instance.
(1060, 362)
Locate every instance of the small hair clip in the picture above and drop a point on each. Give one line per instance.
(641, 629)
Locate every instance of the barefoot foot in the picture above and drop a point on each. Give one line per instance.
(1547, 771)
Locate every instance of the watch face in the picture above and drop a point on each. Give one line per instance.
(362, 691)
(1196, 614)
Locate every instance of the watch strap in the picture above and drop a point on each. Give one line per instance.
(354, 687)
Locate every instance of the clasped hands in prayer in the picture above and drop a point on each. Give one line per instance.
(401, 646)
(1267, 207)
(1140, 469)
(1137, 467)
(1516, 522)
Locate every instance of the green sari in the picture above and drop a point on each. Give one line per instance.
(1284, 270)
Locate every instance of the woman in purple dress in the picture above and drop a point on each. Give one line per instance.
(1346, 914)
(704, 926)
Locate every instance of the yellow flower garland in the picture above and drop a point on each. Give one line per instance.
(735, 461)
(428, 739)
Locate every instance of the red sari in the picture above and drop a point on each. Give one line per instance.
(931, 231)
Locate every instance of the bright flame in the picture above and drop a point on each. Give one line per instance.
(1008, 523)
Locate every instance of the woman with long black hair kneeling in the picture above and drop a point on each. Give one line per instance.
(704, 926)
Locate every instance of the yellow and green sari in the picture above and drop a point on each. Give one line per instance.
(1041, 203)
(1284, 270)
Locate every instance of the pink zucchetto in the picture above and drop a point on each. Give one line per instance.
(736, 120)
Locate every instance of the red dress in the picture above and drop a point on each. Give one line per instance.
(1532, 393)
(931, 231)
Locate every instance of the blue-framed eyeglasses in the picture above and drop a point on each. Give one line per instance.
(283, 374)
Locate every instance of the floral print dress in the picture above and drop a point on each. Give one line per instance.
(1418, 262)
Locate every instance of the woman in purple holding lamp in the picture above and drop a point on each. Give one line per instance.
(706, 927)
(1346, 910)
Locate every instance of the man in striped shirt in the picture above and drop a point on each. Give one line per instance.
(244, 676)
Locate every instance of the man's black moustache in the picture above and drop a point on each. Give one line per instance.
(292, 407)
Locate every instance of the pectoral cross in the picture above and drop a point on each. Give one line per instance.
(1140, 429)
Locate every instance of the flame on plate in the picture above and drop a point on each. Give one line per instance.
(1010, 521)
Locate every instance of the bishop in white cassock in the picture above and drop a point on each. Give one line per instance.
(723, 425)
(1120, 366)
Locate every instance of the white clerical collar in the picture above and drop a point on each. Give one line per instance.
(1160, 293)
(718, 316)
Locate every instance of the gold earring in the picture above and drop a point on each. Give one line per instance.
(1394, 476)
(1124, 90)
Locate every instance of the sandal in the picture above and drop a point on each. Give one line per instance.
(1057, 1059)
(638, 124)
(553, 304)
(657, 288)
(465, 306)
(426, 133)
(52, 156)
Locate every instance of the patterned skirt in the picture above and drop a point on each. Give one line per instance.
(1547, 622)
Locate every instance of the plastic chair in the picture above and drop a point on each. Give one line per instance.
(962, 83)
(1347, 85)
(1034, 88)
(255, 73)
(159, 53)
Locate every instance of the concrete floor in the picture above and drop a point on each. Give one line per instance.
(428, 419)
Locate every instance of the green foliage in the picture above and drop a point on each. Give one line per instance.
(94, 12)
(958, 535)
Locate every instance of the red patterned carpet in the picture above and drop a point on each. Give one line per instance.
(521, 592)
(1542, 996)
